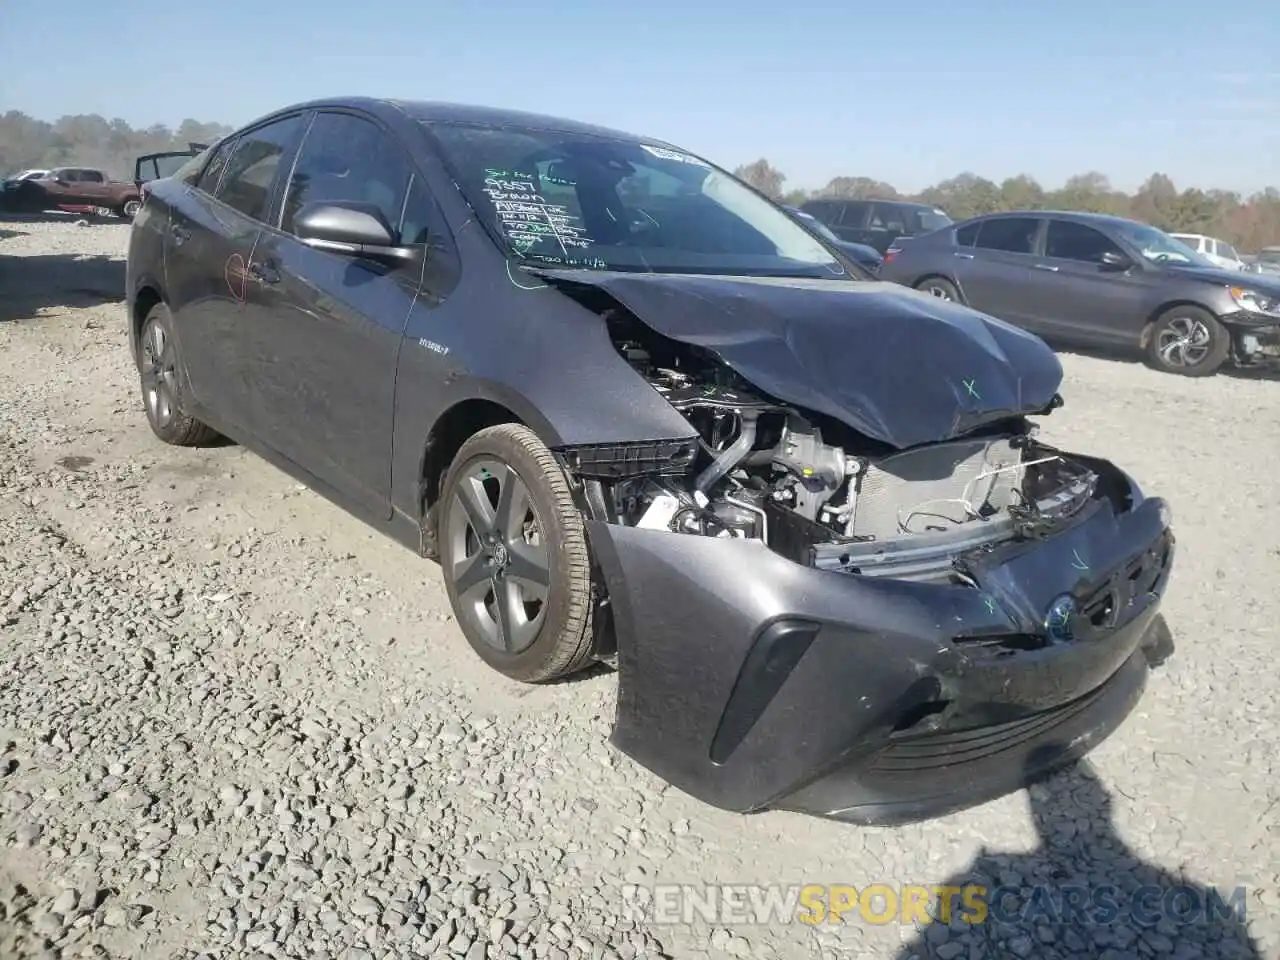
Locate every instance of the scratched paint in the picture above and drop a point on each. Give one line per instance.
(237, 277)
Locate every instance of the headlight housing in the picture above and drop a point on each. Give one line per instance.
(1254, 301)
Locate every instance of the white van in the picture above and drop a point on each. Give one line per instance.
(1211, 248)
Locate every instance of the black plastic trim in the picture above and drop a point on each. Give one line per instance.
(772, 657)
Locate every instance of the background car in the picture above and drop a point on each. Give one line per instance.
(1267, 260)
(877, 223)
(78, 189)
(1099, 281)
(1212, 249)
(860, 253)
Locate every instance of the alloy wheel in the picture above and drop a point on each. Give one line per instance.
(159, 375)
(1184, 342)
(501, 567)
(936, 291)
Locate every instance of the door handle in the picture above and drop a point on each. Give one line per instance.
(264, 272)
(965, 256)
(1046, 266)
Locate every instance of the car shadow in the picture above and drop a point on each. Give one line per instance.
(1083, 892)
(34, 285)
(1271, 372)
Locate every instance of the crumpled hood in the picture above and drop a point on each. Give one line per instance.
(896, 365)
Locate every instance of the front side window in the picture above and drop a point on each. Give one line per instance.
(1009, 234)
(966, 235)
(568, 199)
(1228, 251)
(1066, 240)
(347, 159)
(255, 161)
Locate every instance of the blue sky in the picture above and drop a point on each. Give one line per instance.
(909, 92)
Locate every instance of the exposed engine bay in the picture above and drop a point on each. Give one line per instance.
(819, 493)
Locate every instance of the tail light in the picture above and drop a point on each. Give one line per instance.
(890, 254)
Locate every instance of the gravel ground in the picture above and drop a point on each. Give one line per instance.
(236, 723)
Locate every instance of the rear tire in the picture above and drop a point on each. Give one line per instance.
(164, 384)
(509, 530)
(939, 287)
(1189, 341)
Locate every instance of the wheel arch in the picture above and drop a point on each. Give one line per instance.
(938, 275)
(1144, 335)
(144, 301)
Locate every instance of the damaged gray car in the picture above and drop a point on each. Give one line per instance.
(641, 416)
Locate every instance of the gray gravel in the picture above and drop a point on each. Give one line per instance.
(234, 722)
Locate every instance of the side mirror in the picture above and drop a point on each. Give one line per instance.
(1116, 261)
(352, 229)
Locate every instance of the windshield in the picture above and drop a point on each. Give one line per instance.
(573, 200)
(1158, 247)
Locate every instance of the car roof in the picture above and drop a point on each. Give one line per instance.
(1079, 216)
(899, 203)
(448, 112)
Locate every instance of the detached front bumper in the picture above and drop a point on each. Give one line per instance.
(1255, 338)
(752, 682)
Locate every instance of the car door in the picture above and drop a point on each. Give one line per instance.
(213, 230)
(92, 189)
(59, 188)
(993, 274)
(1079, 297)
(153, 166)
(324, 355)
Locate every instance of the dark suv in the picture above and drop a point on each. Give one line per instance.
(877, 223)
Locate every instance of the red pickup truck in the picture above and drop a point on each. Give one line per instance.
(89, 190)
(75, 189)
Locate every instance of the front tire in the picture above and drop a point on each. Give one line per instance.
(1188, 341)
(513, 551)
(163, 379)
(941, 288)
(130, 209)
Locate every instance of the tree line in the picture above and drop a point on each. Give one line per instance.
(1247, 222)
(89, 140)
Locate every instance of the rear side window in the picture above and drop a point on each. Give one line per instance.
(855, 213)
(208, 181)
(889, 217)
(251, 171)
(91, 176)
(345, 158)
(825, 210)
(1008, 234)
